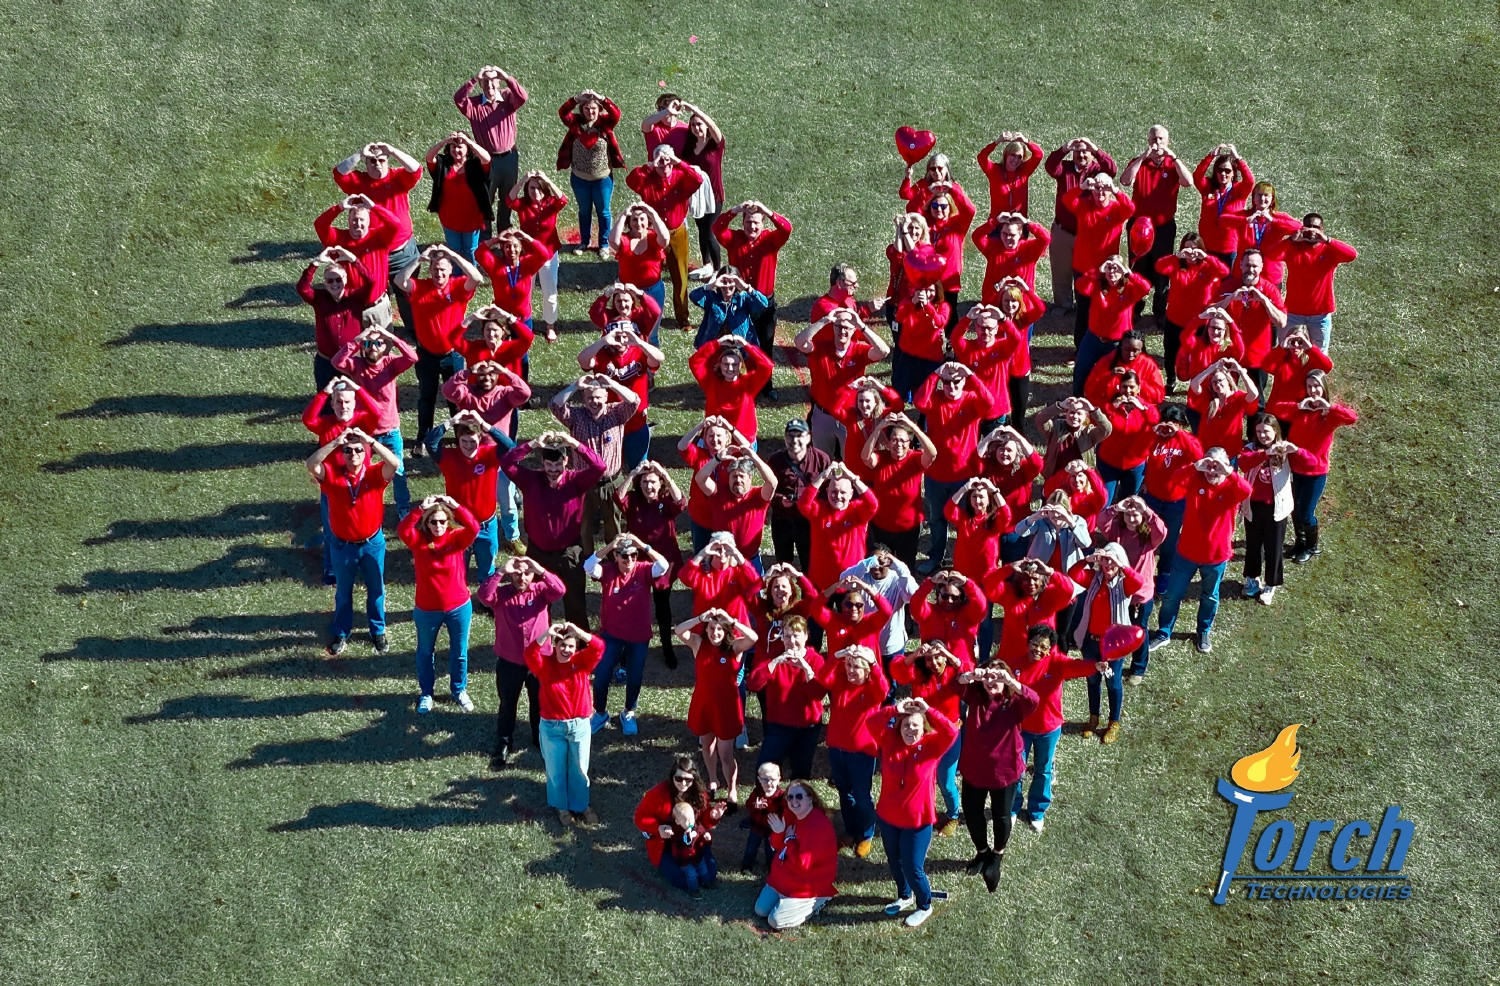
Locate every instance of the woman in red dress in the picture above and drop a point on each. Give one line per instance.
(715, 715)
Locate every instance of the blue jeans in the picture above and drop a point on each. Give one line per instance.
(853, 774)
(1042, 749)
(755, 842)
(633, 656)
(657, 293)
(464, 244)
(1208, 600)
(791, 748)
(1090, 351)
(1319, 328)
(986, 634)
(937, 493)
(689, 876)
(947, 777)
(368, 558)
(565, 756)
(392, 440)
(327, 537)
(1115, 686)
(428, 622)
(1170, 512)
(1307, 491)
(1142, 618)
(634, 448)
(1120, 484)
(486, 544)
(505, 500)
(593, 199)
(906, 851)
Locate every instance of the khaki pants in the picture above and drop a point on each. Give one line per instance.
(677, 269)
(1060, 253)
(601, 515)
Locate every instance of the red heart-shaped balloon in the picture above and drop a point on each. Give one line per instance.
(1142, 236)
(1120, 640)
(913, 145)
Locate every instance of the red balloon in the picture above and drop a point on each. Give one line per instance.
(1142, 235)
(913, 145)
(1120, 640)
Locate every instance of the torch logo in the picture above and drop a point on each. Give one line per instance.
(1256, 788)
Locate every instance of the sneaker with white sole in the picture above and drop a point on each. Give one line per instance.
(1252, 588)
(915, 918)
(1267, 595)
(1205, 645)
(1160, 639)
(424, 705)
(1036, 823)
(464, 701)
(742, 740)
(597, 721)
(628, 725)
(897, 906)
(701, 273)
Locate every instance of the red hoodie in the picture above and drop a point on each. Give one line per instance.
(908, 772)
(806, 857)
(850, 704)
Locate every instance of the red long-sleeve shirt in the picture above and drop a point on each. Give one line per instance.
(439, 561)
(1313, 431)
(539, 219)
(1069, 178)
(1163, 481)
(792, 699)
(472, 481)
(1223, 426)
(512, 284)
(1155, 190)
(1208, 521)
(1219, 236)
(806, 857)
(1099, 228)
(756, 259)
(1019, 613)
(1309, 274)
(864, 632)
(1000, 263)
(991, 363)
(508, 354)
(1253, 320)
(908, 772)
(1266, 235)
(378, 379)
(953, 628)
(438, 313)
(1010, 191)
(948, 238)
(1110, 312)
(1190, 287)
(391, 192)
(337, 320)
(940, 691)
(838, 536)
(734, 400)
(922, 329)
(1046, 677)
(1014, 483)
(1131, 438)
(849, 705)
(976, 546)
(1289, 373)
(372, 249)
(1085, 502)
(327, 427)
(953, 425)
(567, 687)
(898, 486)
(1103, 379)
(728, 589)
(829, 373)
(641, 268)
(670, 196)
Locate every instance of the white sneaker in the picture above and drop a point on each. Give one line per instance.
(915, 918)
(702, 273)
(464, 701)
(606, 254)
(628, 724)
(1036, 823)
(897, 906)
(1252, 588)
(424, 705)
(1267, 595)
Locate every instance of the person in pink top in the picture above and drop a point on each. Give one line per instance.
(374, 359)
(437, 305)
(1311, 422)
(992, 761)
(912, 738)
(1138, 529)
(1214, 494)
(562, 661)
(1043, 668)
(856, 685)
(628, 571)
(518, 595)
(536, 201)
(1010, 177)
(491, 113)
(839, 506)
(437, 551)
(1311, 259)
(1223, 179)
(368, 172)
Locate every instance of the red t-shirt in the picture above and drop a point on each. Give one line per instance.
(898, 486)
(472, 481)
(641, 269)
(743, 516)
(438, 313)
(356, 507)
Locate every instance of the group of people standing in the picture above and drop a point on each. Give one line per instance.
(931, 565)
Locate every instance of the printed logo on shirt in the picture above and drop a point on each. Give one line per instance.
(1256, 789)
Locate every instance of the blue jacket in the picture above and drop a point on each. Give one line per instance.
(730, 317)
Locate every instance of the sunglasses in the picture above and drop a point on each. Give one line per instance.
(799, 796)
(684, 779)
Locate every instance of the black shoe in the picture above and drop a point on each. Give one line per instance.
(771, 394)
(976, 863)
(382, 645)
(500, 757)
(336, 646)
(695, 894)
(991, 870)
(669, 658)
(747, 869)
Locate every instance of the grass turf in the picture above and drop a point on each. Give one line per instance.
(194, 794)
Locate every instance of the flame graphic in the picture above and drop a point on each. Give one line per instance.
(1272, 768)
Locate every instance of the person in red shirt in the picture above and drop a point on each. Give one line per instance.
(471, 469)
(1132, 420)
(843, 282)
(1106, 301)
(753, 249)
(1070, 166)
(368, 172)
(628, 571)
(948, 607)
(697, 140)
(625, 302)
(1256, 307)
(932, 672)
(1129, 357)
(371, 232)
(1084, 489)
(766, 799)
(731, 373)
(1289, 365)
(1224, 181)
(537, 202)
(438, 303)
(839, 506)
(339, 296)
(589, 153)
(920, 328)
(1311, 260)
(917, 194)
(650, 503)
(1267, 462)
(1100, 211)
(709, 438)
(1222, 396)
(1044, 669)
(1029, 593)
(639, 239)
(512, 259)
(1212, 337)
(895, 469)
(856, 685)
(988, 354)
(438, 532)
(653, 815)
(911, 740)
(716, 716)
(1010, 177)
(1012, 464)
(839, 347)
(503, 339)
(949, 214)
(980, 517)
(1109, 582)
(805, 860)
(793, 705)
(858, 410)
(1164, 492)
(691, 847)
(1011, 245)
(1214, 494)
(1263, 227)
(1154, 176)
(720, 578)
(954, 401)
(1312, 422)
(563, 661)
(461, 192)
(1192, 281)
(624, 356)
(667, 185)
(355, 487)
(738, 506)
(855, 614)
(1020, 308)
(339, 406)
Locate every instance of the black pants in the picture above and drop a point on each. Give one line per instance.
(1065, 626)
(972, 798)
(708, 246)
(1171, 345)
(952, 298)
(1145, 265)
(1080, 319)
(1019, 389)
(432, 372)
(568, 566)
(504, 170)
(510, 679)
(1265, 542)
(791, 539)
(764, 325)
(661, 599)
(903, 544)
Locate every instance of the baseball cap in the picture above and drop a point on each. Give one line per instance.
(797, 425)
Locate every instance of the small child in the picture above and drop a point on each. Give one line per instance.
(766, 799)
(692, 850)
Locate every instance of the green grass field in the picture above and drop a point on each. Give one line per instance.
(192, 793)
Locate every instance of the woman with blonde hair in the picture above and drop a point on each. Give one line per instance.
(856, 685)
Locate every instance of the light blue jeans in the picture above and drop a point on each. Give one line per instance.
(1042, 749)
(392, 440)
(1319, 329)
(1177, 584)
(505, 496)
(906, 852)
(593, 199)
(485, 546)
(947, 777)
(428, 622)
(368, 560)
(565, 755)
(464, 244)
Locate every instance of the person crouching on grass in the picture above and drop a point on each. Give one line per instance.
(805, 860)
(691, 848)
(563, 662)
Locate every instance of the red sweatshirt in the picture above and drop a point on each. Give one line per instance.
(1253, 320)
(991, 364)
(390, 192)
(941, 691)
(1309, 274)
(1219, 236)
(734, 400)
(1046, 678)
(1100, 386)
(641, 269)
(669, 197)
(1019, 613)
(791, 698)
(976, 545)
(1001, 263)
(1015, 483)
(1110, 314)
(1313, 432)
(1086, 502)
(864, 632)
(948, 238)
(1129, 443)
(850, 705)
(1190, 287)
(908, 773)
(567, 687)
(1163, 481)
(720, 588)
(1208, 522)
(472, 481)
(756, 259)
(539, 219)
(922, 329)
(839, 536)
(953, 628)
(806, 859)
(897, 484)
(953, 425)
(1009, 190)
(1225, 427)
(373, 249)
(1069, 178)
(439, 561)
(1099, 228)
